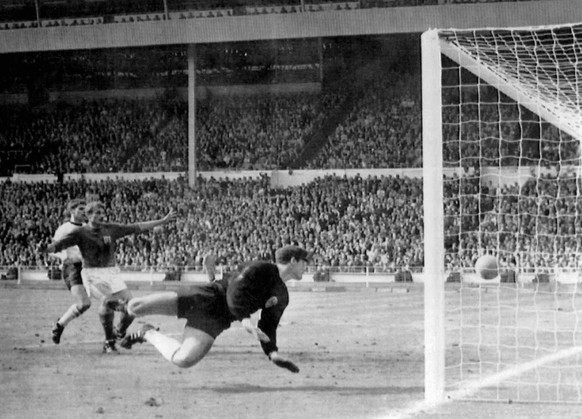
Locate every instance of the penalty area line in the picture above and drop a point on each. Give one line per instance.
(472, 387)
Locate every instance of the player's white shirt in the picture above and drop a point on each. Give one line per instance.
(71, 254)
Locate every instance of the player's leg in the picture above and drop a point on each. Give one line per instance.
(82, 304)
(98, 282)
(73, 280)
(164, 303)
(106, 317)
(194, 346)
(207, 316)
(113, 288)
(125, 319)
(204, 308)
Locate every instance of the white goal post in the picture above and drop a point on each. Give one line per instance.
(502, 125)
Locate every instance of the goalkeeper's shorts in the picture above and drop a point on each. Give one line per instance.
(204, 308)
(103, 282)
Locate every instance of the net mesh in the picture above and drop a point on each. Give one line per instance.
(511, 125)
(542, 64)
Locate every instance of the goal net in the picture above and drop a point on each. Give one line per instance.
(502, 124)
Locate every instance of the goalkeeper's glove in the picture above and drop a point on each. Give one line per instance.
(281, 362)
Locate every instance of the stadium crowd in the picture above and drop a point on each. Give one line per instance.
(348, 222)
(381, 129)
(354, 223)
(115, 135)
(260, 133)
(387, 117)
(533, 226)
(484, 117)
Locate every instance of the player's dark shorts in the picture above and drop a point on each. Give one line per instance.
(72, 274)
(204, 307)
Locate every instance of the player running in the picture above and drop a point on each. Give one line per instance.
(211, 308)
(71, 265)
(101, 275)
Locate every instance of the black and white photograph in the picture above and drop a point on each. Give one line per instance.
(282, 209)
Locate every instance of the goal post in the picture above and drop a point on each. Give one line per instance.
(434, 290)
(502, 125)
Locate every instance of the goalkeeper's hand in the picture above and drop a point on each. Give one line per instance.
(281, 362)
(255, 331)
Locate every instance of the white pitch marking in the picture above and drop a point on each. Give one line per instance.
(472, 387)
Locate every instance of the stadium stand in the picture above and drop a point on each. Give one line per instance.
(353, 224)
(25, 15)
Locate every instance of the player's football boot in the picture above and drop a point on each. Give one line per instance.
(109, 347)
(117, 305)
(136, 337)
(119, 335)
(57, 332)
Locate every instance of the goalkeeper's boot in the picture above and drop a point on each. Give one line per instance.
(57, 332)
(109, 347)
(117, 305)
(136, 337)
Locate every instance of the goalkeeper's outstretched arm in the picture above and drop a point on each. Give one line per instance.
(268, 324)
(262, 337)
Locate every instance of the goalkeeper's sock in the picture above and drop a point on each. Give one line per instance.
(71, 313)
(165, 345)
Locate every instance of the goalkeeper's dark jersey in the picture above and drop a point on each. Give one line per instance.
(250, 289)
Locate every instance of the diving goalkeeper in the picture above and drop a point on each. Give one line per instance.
(211, 308)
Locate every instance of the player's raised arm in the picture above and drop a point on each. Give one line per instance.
(148, 225)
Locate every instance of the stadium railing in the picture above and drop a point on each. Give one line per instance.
(345, 274)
